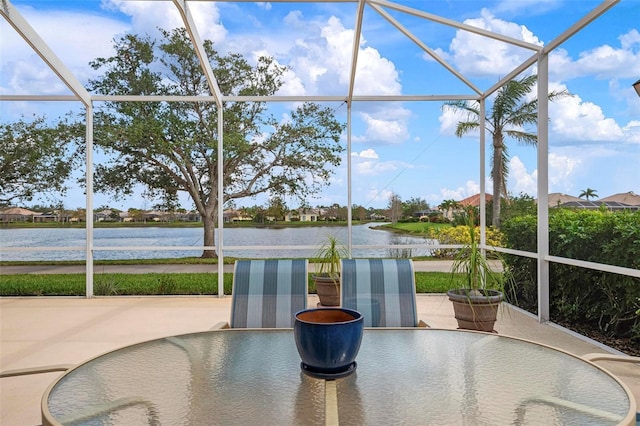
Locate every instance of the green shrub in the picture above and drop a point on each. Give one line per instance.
(166, 284)
(603, 300)
(460, 235)
(105, 285)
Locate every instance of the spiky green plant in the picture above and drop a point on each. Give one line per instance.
(328, 257)
(471, 262)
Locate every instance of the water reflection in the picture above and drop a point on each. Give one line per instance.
(363, 235)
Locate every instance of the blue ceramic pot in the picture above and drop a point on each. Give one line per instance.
(328, 339)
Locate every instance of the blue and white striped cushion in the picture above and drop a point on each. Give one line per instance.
(383, 290)
(267, 293)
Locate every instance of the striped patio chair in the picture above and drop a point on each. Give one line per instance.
(267, 293)
(383, 290)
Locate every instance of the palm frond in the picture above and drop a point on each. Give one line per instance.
(523, 137)
(464, 127)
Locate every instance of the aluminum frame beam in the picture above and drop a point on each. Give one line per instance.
(190, 25)
(423, 46)
(33, 39)
(456, 24)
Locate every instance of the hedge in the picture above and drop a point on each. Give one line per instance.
(606, 301)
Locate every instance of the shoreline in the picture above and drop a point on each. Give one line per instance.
(419, 266)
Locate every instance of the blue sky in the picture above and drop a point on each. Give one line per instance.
(407, 148)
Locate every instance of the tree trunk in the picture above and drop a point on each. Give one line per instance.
(209, 236)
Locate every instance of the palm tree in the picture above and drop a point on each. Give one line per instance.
(511, 112)
(588, 193)
(447, 205)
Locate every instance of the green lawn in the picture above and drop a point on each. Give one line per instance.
(158, 284)
(414, 228)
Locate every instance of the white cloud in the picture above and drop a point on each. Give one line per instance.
(449, 119)
(147, 16)
(561, 172)
(520, 181)
(375, 75)
(603, 61)
(632, 131)
(603, 167)
(371, 167)
(264, 5)
(379, 197)
(367, 163)
(293, 85)
(387, 130)
(579, 122)
(23, 72)
(31, 77)
(470, 188)
(367, 153)
(320, 58)
(630, 39)
(476, 55)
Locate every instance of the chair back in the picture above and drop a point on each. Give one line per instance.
(383, 290)
(267, 293)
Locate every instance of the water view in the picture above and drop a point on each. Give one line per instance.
(12, 240)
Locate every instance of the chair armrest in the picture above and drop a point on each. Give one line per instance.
(112, 407)
(36, 370)
(610, 357)
(220, 326)
(567, 405)
(423, 324)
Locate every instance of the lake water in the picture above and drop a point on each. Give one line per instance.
(13, 240)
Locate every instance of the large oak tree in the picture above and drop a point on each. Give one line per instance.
(36, 158)
(171, 147)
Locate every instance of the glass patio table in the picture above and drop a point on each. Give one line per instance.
(407, 376)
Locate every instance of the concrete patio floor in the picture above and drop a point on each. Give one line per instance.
(46, 331)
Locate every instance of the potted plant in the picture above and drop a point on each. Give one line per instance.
(476, 303)
(328, 340)
(327, 278)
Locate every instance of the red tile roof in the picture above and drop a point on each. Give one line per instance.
(474, 200)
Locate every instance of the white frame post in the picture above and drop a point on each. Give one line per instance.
(220, 203)
(543, 187)
(483, 206)
(89, 202)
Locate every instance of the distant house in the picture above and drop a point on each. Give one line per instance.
(622, 201)
(630, 198)
(474, 200)
(101, 216)
(424, 215)
(17, 214)
(50, 217)
(191, 216)
(558, 198)
(231, 215)
(596, 205)
(157, 216)
(302, 215)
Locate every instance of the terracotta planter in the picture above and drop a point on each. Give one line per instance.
(328, 290)
(475, 312)
(328, 340)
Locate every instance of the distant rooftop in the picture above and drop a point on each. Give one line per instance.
(595, 205)
(629, 198)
